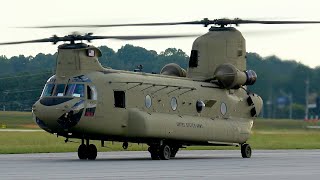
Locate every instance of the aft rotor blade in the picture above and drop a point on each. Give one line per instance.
(205, 22)
(274, 22)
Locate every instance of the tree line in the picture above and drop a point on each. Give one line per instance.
(22, 78)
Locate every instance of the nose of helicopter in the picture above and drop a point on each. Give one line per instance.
(57, 114)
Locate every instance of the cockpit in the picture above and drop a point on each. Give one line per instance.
(70, 101)
(79, 86)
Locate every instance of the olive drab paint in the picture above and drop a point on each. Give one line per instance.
(220, 45)
(206, 105)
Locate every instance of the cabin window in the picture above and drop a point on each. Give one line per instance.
(148, 101)
(174, 103)
(75, 90)
(200, 106)
(223, 108)
(119, 99)
(91, 93)
(193, 62)
(59, 90)
(47, 90)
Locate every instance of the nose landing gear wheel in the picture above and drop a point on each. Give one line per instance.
(82, 152)
(246, 151)
(92, 152)
(87, 152)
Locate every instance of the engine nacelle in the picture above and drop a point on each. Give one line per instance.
(231, 78)
(173, 69)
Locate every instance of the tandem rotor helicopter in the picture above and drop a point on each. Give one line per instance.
(207, 104)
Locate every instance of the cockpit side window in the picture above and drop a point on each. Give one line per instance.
(47, 90)
(70, 89)
(59, 90)
(75, 90)
(91, 93)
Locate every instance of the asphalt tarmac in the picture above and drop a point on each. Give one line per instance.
(264, 164)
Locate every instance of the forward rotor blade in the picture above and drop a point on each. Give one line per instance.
(117, 25)
(88, 37)
(144, 37)
(30, 41)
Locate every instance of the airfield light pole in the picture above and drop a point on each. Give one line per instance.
(5, 93)
(290, 106)
(289, 96)
(307, 100)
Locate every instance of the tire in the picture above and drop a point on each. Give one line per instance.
(165, 152)
(246, 151)
(82, 152)
(155, 156)
(92, 152)
(154, 153)
(125, 145)
(174, 152)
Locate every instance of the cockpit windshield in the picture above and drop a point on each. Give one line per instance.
(48, 90)
(59, 90)
(75, 90)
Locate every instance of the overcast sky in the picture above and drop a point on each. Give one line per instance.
(297, 42)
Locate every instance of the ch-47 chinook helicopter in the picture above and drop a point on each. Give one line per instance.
(207, 104)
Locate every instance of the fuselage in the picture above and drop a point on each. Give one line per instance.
(141, 107)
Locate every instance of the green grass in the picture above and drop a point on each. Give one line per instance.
(277, 140)
(32, 142)
(279, 134)
(16, 120)
(280, 124)
(43, 142)
(266, 134)
(286, 140)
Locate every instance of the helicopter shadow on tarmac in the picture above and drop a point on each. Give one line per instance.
(133, 159)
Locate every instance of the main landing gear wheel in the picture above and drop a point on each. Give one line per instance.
(154, 153)
(125, 145)
(174, 151)
(246, 151)
(162, 152)
(165, 152)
